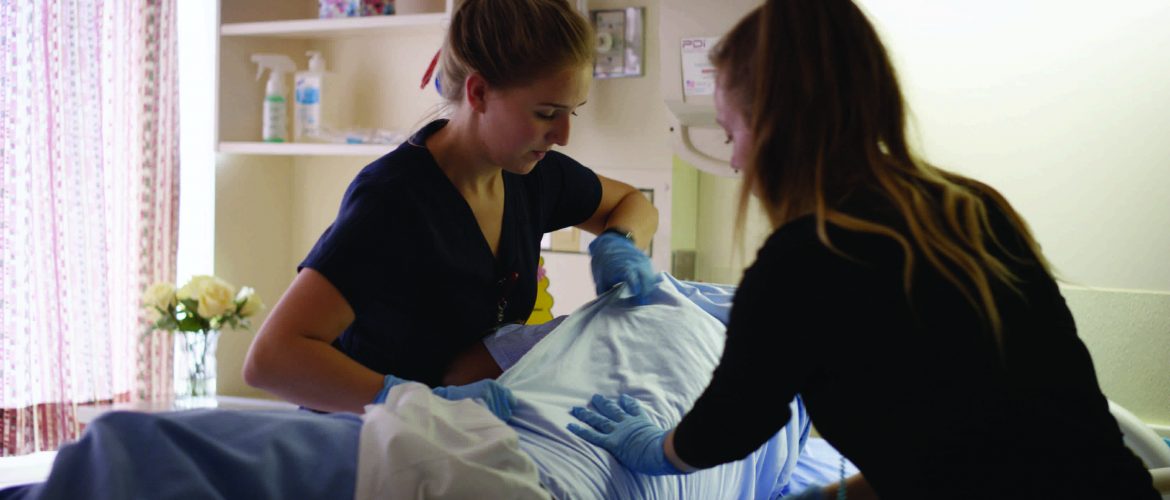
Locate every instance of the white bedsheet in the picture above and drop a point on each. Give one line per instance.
(663, 354)
(418, 445)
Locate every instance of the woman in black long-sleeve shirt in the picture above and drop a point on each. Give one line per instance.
(909, 306)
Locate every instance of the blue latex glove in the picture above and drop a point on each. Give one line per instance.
(626, 432)
(498, 399)
(387, 382)
(615, 259)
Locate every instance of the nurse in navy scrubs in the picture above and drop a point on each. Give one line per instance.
(436, 243)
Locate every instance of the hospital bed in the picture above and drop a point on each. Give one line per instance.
(1153, 450)
(608, 346)
(661, 353)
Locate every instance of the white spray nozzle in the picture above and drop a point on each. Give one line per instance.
(316, 62)
(278, 63)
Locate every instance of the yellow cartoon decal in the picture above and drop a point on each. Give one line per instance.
(542, 310)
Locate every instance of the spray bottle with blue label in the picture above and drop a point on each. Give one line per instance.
(308, 94)
(275, 128)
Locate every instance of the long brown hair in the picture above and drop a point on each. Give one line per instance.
(827, 115)
(512, 42)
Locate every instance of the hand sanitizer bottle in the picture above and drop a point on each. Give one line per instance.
(275, 128)
(308, 94)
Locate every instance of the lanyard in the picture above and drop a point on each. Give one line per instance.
(506, 284)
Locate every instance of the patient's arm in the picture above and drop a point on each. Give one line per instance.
(473, 364)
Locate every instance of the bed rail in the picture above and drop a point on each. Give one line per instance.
(1146, 444)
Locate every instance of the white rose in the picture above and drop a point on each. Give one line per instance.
(192, 288)
(160, 295)
(215, 296)
(249, 302)
(153, 315)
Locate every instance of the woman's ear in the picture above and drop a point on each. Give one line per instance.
(476, 88)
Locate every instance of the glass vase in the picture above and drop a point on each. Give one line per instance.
(198, 363)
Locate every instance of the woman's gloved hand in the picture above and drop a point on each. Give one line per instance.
(498, 399)
(626, 432)
(387, 382)
(615, 259)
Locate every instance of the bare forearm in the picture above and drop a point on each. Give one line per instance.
(313, 374)
(635, 213)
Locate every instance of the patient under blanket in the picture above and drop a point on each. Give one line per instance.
(662, 353)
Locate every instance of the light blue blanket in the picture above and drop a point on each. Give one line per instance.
(663, 354)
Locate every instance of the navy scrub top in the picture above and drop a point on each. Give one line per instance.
(407, 253)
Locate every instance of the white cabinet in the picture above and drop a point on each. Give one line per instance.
(375, 65)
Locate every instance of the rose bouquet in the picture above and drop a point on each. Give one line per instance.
(197, 312)
(204, 304)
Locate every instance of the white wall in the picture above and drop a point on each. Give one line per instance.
(1062, 105)
(1065, 108)
(624, 124)
(1128, 335)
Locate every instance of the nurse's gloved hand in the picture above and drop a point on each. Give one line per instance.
(615, 259)
(387, 382)
(498, 399)
(627, 432)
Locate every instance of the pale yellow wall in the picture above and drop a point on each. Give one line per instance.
(722, 256)
(685, 200)
(252, 232)
(317, 188)
(374, 81)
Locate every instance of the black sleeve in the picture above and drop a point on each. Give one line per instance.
(355, 246)
(570, 192)
(768, 355)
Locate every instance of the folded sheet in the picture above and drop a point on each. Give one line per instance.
(418, 445)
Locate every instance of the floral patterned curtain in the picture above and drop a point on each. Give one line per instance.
(88, 208)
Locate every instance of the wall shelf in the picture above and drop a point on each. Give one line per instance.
(305, 149)
(333, 28)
